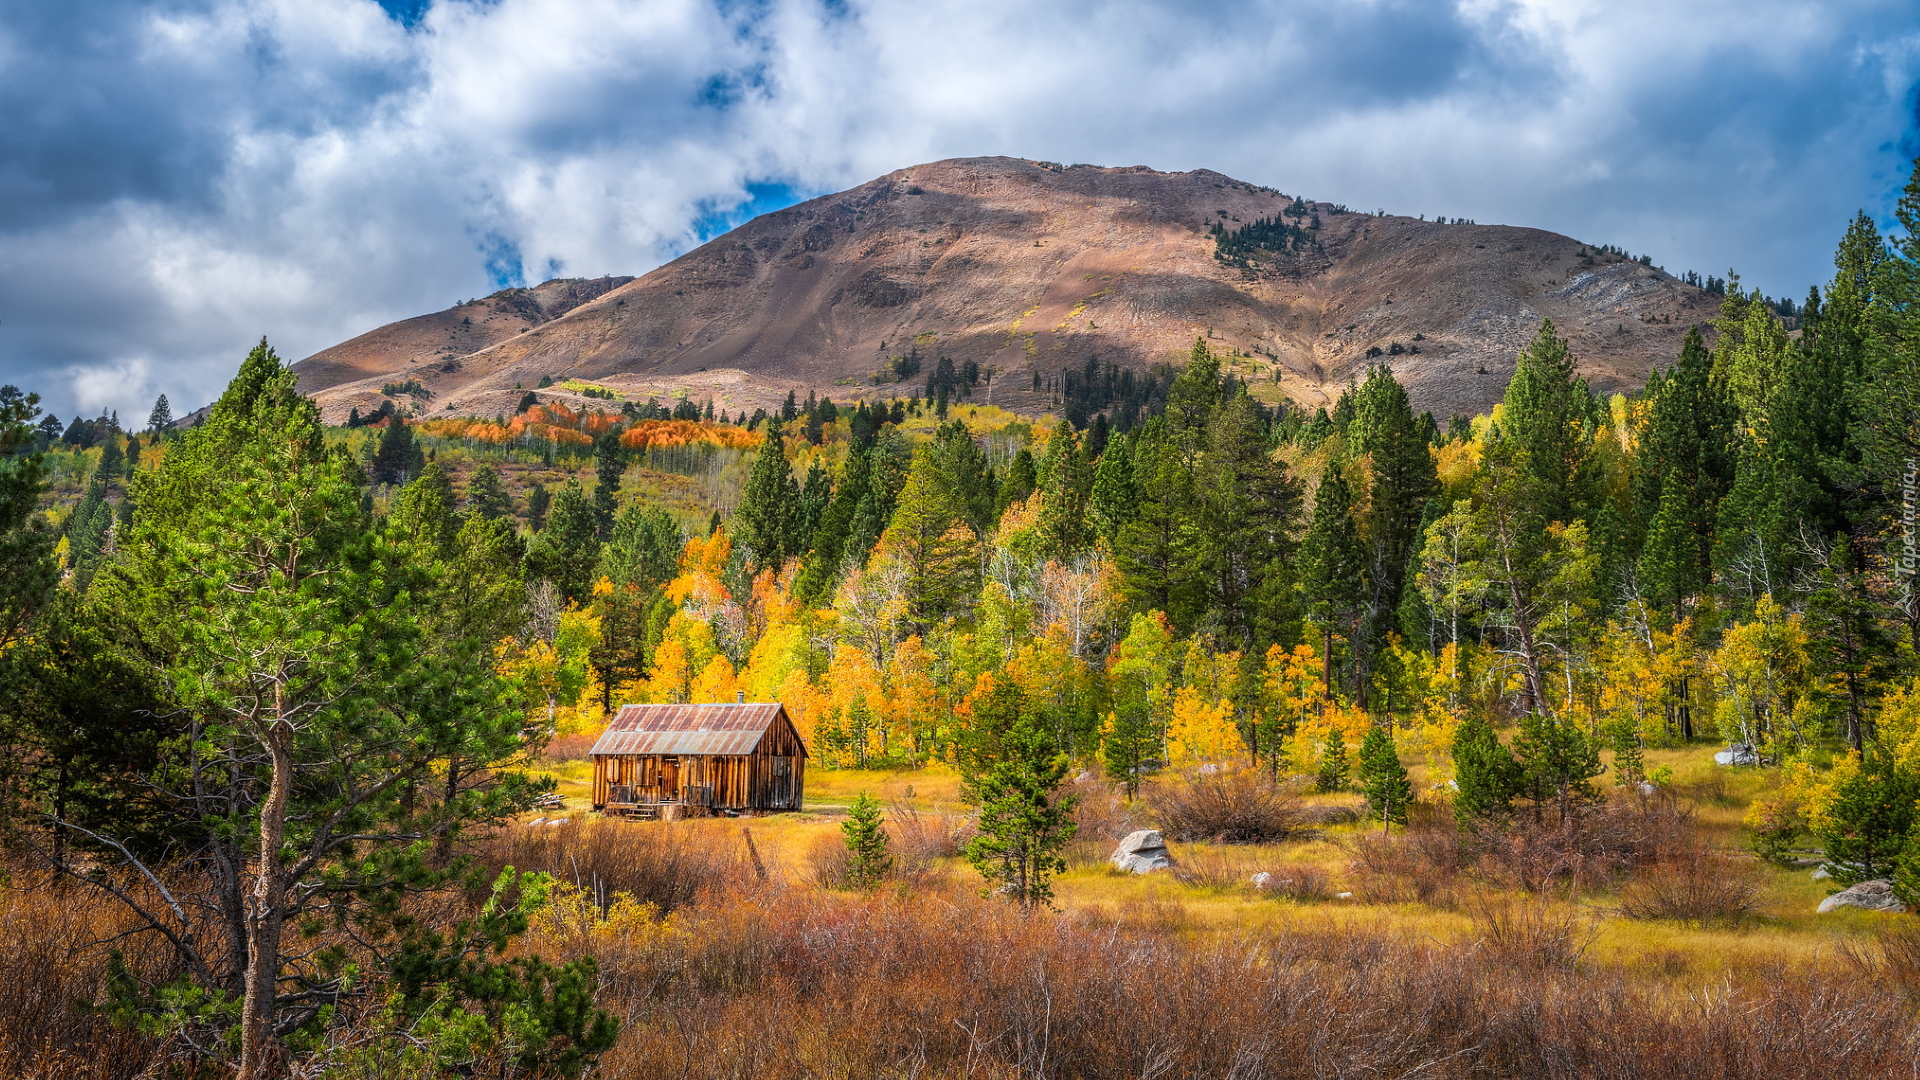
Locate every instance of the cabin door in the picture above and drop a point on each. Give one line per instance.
(670, 779)
(782, 792)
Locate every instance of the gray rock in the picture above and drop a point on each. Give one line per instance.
(1737, 754)
(1142, 852)
(1330, 815)
(1263, 880)
(1821, 874)
(1647, 789)
(1874, 895)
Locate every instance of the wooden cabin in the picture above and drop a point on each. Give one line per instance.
(669, 761)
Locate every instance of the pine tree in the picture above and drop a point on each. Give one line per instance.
(1485, 775)
(1333, 764)
(398, 458)
(1191, 400)
(644, 550)
(161, 417)
(766, 522)
(1066, 484)
(1866, 828)
(539, 500)
(566, 550)
(1023, 825)
(321, 677)
(1159, 552)
(609, 463)
(1022, 478)
(868, 860)
(816, 494)
(1333, 565)
(1687, 443)
(1248, 514)
(1383, 777)
(1401, 478)
(1557, 760)
(1850, 649)
(966, 473)
(930, 541)
(27, 570)
(1116, 495)
(1543, 417)
(486, 497)
(1629, 763)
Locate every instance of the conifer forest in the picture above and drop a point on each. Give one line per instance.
(295, 721)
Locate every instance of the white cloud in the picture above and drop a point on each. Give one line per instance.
(183, 176)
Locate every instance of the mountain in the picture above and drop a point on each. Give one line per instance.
(1030, 267)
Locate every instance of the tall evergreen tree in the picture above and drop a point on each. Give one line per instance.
(930, 541)
(1066, 484)
(539, 501)
(766, 523)
(1887, 401)
(486, 497)
(1191, 400)
(27, 572)
(1401, 478)
(967, 474)
(1248, 511)
(566, 551)
(1159, 552)
(1333, 566)
(314, 687)
(161, 418)
(644, 550)
(1022, 479)
(398, 457)
(609, 464)
(1544, 415)
(1682, 470)
(1116, 495)
(815, 495)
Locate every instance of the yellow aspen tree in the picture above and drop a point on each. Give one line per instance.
(1201, 731)
(716, 683)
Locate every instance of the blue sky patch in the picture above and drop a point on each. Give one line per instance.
(407, 13)
(763, 197)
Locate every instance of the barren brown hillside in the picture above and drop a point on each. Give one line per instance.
(1023, 267)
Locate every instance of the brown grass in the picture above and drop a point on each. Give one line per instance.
(1694, 885)
(1228, 805)
(794, 984)
(1532, 932)
(53, 953)
(667, 865)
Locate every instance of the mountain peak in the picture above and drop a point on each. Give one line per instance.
(1033, 268)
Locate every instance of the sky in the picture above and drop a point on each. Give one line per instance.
(179, 178)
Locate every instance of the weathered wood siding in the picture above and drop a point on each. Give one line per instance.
(772, 776)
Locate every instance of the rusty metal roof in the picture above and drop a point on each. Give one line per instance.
(728, 730)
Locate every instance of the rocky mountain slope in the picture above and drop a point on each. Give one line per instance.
(1029, 267)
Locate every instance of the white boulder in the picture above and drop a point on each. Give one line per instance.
(1876, 895)
(1142, 852)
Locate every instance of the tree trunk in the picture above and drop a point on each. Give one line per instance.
(1326, 671)
(265, 915)
(1536, 691)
